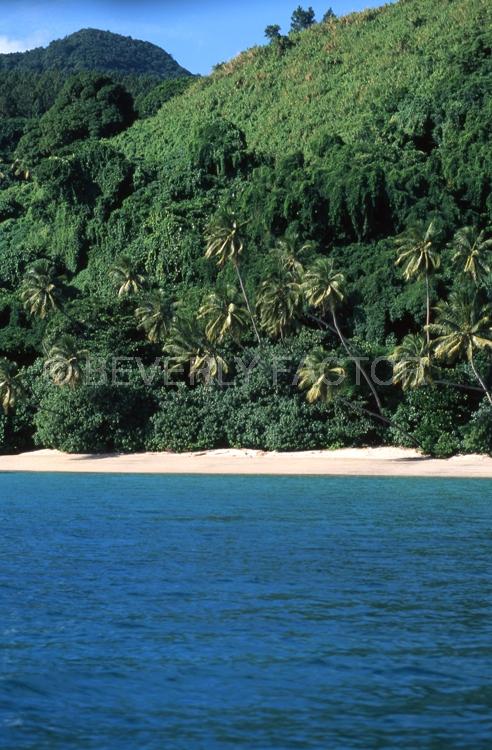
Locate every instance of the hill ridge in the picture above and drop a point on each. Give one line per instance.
(96, 49)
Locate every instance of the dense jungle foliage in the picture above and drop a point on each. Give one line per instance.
(292, 253)
(30, 82)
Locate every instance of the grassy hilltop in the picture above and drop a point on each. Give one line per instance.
(367, 78)
(303, 170)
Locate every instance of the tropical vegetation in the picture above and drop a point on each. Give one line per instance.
(294, 252)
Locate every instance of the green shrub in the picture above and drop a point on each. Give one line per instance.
(208, 417)
(478, 432)
(93, 419)
(16, 427)
(187, 420)
(89, 105)
(434, 418)
(150, 103)
(9, 206)
(285, 423)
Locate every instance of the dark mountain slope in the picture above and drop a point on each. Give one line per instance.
(92, 49)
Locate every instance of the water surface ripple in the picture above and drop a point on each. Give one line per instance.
(207, 613)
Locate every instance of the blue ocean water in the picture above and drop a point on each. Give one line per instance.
(203, 613)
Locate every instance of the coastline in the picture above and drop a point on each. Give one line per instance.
(384, 461)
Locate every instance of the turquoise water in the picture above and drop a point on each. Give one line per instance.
(157, 613)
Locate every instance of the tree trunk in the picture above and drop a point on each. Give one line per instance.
(477, 375)
(80, 327)
(428, 311)
(322, 323)
(243, 290)
(358, 409)
(357, 363)
(463, 387)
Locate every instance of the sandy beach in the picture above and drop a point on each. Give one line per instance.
(384, 461)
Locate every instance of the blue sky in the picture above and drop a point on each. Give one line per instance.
(197, 33)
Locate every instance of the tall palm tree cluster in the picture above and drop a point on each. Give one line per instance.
(463, 323)
(299, 288)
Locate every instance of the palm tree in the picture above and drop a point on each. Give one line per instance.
(124, 276)
(18, 169)
(412, 362)
(39, 291)
(319, 376)
(462, 327)
(323, 290)
(279, 304)
(10, 386)
(188, 347)
(472, 251)
(280, 297)
(225, 315)
(291, 257)
(154, 316)
(64, 363)
(225, 244)
(418, 254)
(323, 286)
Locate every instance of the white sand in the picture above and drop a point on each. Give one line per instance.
(348, 461)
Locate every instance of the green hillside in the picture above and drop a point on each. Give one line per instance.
(368, 77)
(259, 216)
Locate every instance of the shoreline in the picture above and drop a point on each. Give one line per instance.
(384, 461)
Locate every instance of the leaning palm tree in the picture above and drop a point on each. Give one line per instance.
(472, 251)
(280, 299)
(417, 252)
(323, 290)
(154, 315)
(10, 385)
(319, 376)
(462, 328)
(279, 304)
(125, 277)
(225, 244)
(411, 362)
(291, 256)
(64, 363)
(39, 291)
(224, 314)
(188, 347)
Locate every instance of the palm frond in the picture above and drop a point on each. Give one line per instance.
(323, 285)
(320, 376)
